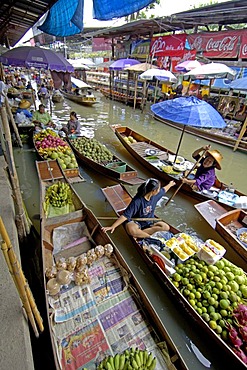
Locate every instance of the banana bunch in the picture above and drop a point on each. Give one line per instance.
(131, 359)
(58, 195)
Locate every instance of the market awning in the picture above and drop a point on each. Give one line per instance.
(18, 16)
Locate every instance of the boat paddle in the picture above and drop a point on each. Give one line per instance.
(192, 169)
(133, 219)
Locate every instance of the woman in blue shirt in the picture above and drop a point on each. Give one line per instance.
(143, 206)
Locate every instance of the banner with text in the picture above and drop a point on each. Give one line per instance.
(172, 45)
(225, 44)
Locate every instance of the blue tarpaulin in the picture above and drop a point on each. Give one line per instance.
(65, 18)
(105, 10)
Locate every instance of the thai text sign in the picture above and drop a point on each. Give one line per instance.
(216, 44)
(172, 45)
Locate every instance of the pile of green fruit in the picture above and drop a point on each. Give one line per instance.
(214, 291)
(58, 195)
(92, 148)
(128, 360)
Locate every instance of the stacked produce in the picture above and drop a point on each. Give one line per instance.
(75, 268)
(129, 139)
(58, 195)
(129, 359)
(238, 332)
(214, 291)
(50, 146)
(92, 149)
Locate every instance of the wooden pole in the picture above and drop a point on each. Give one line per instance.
(19, 280)
(21, 220)
(135, 94)
(241, 134)
(13, 122)
(143, 95)
(155, 90)
(134, 219)
(192, 169)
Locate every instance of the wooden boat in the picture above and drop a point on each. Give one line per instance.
(215, 135)
(119, 198)
(115, 169)
(80, 99)
(124, 98)
(83, 337)
(57, 98)
(157, 162)
(225, 223)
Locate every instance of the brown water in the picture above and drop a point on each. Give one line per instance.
(197, 351)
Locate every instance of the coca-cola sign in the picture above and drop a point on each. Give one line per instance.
(225, 44)
(172, 45)
(243, 50)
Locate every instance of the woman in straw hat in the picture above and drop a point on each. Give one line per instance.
(23, 107)
(205, 175)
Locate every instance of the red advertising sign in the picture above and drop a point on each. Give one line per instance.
(243, 49)
(225, 44)
(172, 45)
(101, 44)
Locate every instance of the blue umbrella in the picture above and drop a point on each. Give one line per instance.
(188, 111)
(239, 84)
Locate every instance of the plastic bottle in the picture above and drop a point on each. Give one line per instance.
(231, 188)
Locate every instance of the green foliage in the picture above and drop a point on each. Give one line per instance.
(142, 13)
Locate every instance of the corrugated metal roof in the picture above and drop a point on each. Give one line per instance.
(17, 16)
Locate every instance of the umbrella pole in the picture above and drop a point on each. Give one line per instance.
(241, 134)
(155, 90)
(136, 82)
(192, 169)
(143, 95)
(179, 144)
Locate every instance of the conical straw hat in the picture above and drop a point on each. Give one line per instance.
(24, 104)
(217, 156)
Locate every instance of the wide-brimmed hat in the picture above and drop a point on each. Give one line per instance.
(24, 104)
(217, 156)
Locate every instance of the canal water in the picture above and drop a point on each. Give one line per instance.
(196, 349)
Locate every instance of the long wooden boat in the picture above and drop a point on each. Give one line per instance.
(93, 310)
(215, 135)
(112, 169)
(124, 98)
(157, 164)
(119, 198)
(80, 99)
(225, 223)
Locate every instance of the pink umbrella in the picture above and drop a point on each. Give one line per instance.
(187, 65)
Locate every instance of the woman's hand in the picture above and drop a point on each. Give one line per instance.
(108, 228)
(206, 147)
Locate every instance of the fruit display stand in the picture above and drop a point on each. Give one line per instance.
(49, 146)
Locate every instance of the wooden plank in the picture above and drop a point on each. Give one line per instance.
(118, 198)
(210, 211)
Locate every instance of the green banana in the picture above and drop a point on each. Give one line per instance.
(149, 360)
(116, 361)
(137, 359)
(134, 363)
(111, 361)
(108, 366)
(122, 361)
(153, 364)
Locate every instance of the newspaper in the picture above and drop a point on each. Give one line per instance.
(102, 318)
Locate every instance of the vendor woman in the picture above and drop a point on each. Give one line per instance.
(205, 176)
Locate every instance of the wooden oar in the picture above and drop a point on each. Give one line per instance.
(192, 169)
(133, 219)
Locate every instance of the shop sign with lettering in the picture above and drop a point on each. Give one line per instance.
(172, 45)
(216, 44)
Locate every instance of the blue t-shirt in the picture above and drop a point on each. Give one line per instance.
(139, 207)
